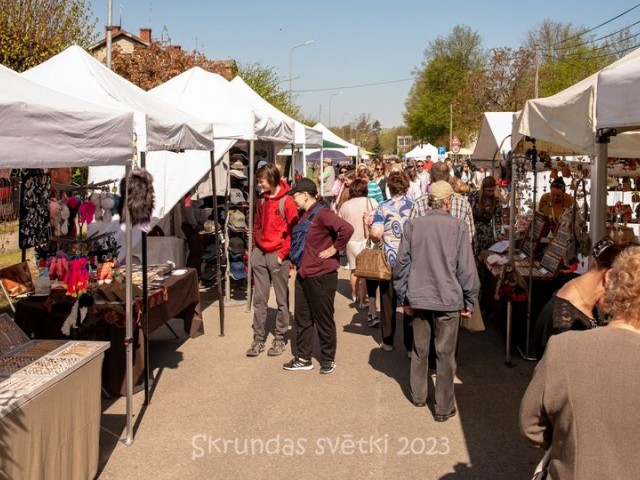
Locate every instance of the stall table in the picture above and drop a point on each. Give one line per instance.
(40, 318)
(49, 406)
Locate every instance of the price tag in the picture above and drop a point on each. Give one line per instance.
(543, 271)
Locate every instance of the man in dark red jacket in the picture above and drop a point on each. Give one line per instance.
(275, 216)
(317, 278)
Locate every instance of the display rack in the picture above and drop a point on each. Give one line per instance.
(28, 367)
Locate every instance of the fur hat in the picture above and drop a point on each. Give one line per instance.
(139, 197)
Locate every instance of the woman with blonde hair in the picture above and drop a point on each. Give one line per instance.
(582, 401)
(487, 215)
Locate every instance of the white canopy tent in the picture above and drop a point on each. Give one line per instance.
(349, 149)
(567, 123)
(303, 135)
(421, 152)
(157, 126)
(494, 139)
(40, 127)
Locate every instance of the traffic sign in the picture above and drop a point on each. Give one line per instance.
(455, 145)
(442, 151)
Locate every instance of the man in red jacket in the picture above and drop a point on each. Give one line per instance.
(317, 278)
(275, 216)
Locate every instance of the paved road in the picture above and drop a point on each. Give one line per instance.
(216, 414)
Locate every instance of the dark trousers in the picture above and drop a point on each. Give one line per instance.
(314, 297)
(445, 325)
(388, 306)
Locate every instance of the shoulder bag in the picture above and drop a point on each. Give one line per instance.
(372, 263)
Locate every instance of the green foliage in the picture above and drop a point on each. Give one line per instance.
(267, 84)
(32, 31)
(444, 72)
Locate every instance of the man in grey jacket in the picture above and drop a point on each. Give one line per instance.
(436, 280)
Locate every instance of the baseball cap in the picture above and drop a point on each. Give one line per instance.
(304, 185)
(237, 270)
(237, 221)
(237, 174)
(236, 245)
(236, 196)
(441, 190)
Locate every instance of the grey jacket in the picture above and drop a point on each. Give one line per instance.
(435, 268)
(583, 401)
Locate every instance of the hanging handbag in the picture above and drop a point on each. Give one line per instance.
(372, 264)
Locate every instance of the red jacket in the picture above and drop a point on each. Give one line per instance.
(271, 232)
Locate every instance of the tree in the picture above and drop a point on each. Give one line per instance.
(267, 84)
(32, 31)
(447, 62)
(152, 66)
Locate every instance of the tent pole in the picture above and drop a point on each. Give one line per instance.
(145, 300)
(512, 221)
(217, 243)
(597, 216)
(128, 337)
(252, 191)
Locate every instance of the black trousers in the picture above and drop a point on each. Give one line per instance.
(314, 297)
(388, 317)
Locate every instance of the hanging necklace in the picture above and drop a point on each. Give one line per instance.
(584, 304)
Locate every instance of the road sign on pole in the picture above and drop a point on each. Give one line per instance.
(455, 145)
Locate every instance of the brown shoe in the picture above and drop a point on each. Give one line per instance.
(277, 348)
(257, 347)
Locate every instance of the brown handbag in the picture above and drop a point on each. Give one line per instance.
(372, 264)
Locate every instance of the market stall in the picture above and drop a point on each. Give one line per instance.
(42, 128)
(157, 126)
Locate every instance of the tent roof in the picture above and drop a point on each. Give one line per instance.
(158, 125)
(40, 128)
(303, 135)
(210, 96)
(349, 149)
(421, 153)
(493, 138)
(617, 98)
(566, 122)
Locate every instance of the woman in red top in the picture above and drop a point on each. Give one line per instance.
(275, 216)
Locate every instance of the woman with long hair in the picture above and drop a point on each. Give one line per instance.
(380, 178)
(414, 191)
(354, 211)
(343, 195)
(582, 402)
(487, 215)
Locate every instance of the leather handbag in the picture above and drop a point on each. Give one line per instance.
(372, 264)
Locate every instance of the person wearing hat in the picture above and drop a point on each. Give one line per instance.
(328, 177)
(275, 216)
(436, 281)
(554, 202)
(317, 278)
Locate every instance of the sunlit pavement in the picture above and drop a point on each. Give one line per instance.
(218, 414)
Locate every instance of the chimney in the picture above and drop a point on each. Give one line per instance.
(115, 30)
(145, 35)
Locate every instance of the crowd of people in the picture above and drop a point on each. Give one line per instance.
(586, 336)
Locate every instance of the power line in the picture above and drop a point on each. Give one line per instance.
(588, 42)
(577, 35)
(356, 86)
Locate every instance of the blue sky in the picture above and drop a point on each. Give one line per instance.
(356, 42)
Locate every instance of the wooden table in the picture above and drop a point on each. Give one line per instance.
(106, 322)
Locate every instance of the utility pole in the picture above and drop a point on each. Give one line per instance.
(109, 32)
(450, 125)
(535, 85)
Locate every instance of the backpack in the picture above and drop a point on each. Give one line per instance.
(299, 235)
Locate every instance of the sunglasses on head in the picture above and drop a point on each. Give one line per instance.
(600, 247)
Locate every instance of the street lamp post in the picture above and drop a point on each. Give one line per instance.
(308, 42)
(331, 98)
